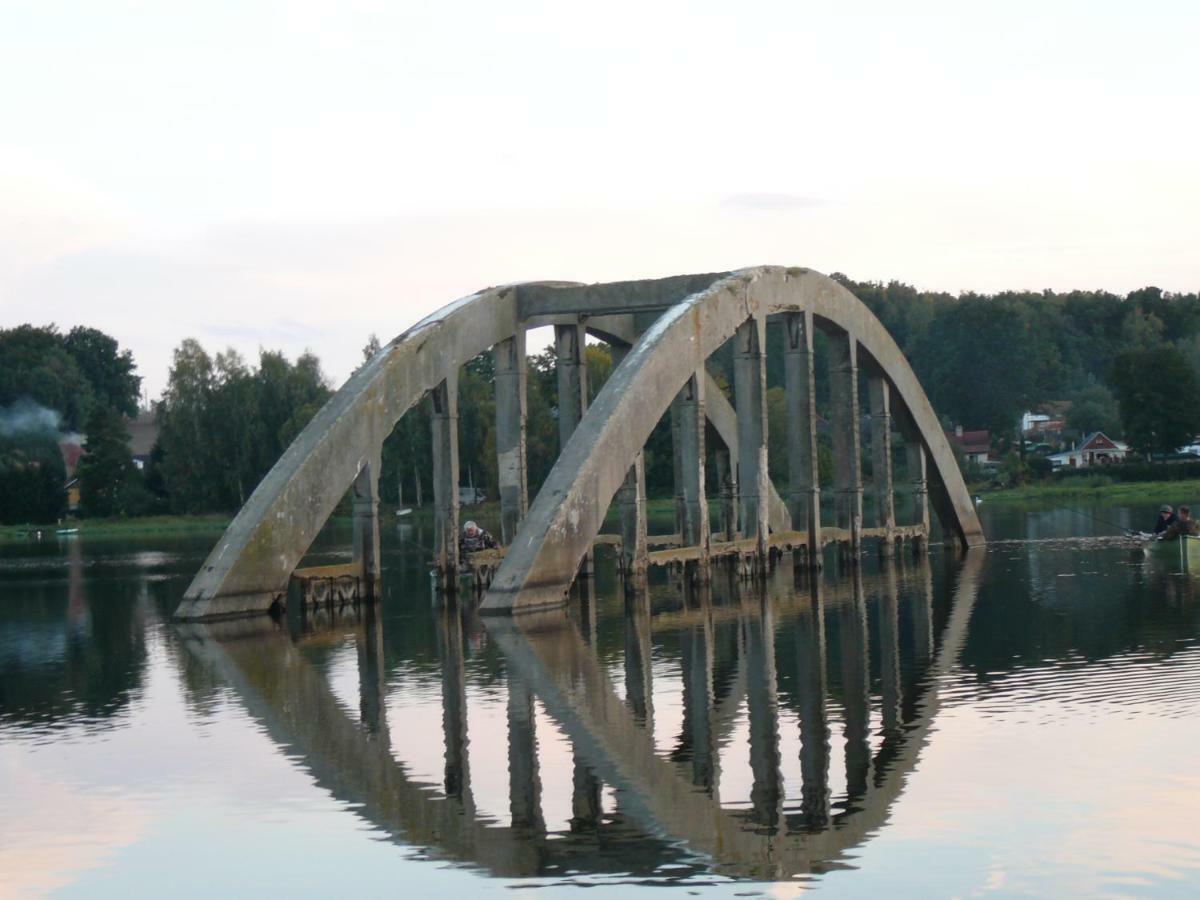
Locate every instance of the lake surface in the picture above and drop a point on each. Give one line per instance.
(1025, 720)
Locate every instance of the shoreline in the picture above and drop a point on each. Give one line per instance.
(1174, 492)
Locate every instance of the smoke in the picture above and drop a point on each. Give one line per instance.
(28, 418)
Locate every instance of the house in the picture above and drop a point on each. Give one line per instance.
(143, 435)
(976, 445)
(1096, 449)
(1048, 422)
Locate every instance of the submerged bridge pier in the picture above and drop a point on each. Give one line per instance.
(663, 334)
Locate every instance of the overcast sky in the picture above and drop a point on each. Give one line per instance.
(299, 174)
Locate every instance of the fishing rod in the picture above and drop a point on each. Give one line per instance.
(1121, 528)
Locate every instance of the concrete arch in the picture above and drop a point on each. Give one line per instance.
(251, 564)
(567, 514)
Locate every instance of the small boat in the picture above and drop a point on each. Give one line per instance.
(67, 531)
(1184, 551)
(404, 512)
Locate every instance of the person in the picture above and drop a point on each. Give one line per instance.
(473, 539)
(1183, 524)
(1166, 518)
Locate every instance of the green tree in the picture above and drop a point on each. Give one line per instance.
(1158, 396)
(108, 369)
(1095, 409)
(106, 471)
(34, 365)
(32, 476)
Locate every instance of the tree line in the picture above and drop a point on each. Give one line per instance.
(1128, 364)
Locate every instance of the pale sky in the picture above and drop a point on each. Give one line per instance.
(299, 174)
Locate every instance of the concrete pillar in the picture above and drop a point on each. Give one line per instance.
(570, 348)
(366, 524)
(728, 525)
(510, 433)
(847, 450)
(814, 723)
(677, 469)
(804, 480)
(444, 426)
(750, 393)
(762, 703)
(880, 395)
(631, 499)
(856, 690)
(571, 366)
(915, 453)
(695, 530)
(524, 781)
(448, 622)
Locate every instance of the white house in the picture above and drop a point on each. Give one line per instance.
(1097, 449)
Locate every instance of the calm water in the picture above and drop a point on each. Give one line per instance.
(1024, 721)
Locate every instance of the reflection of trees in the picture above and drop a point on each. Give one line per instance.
(69, 654)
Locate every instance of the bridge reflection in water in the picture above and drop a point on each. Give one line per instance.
(796, 654)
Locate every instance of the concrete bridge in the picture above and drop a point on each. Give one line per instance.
(672, 807)
(662, 333)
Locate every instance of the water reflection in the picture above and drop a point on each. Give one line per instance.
(667, 816)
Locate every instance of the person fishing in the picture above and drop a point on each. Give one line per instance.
(1166, 518)
(473, 539)
(1184, 524)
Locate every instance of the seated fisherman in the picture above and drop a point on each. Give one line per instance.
(1183, 524)
(1166, 518)
(473, 539)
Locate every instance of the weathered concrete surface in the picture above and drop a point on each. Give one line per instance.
(511, 464)
(804, 488)
(567, 513)
(251, 564)
(750, 397)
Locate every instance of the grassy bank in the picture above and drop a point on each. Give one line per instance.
(170, 525)
(1100, 489)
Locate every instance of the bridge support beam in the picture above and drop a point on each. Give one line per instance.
(444, 427)
(366, 524)
(570, 350)
(511, 459)
(804, 480)
(694, 527)
(762, 705)
(750, 394)
(916, 459)
(880, 394)
(631, 500)
(847, 449)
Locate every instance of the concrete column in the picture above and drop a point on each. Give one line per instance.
(366, 524)
(880, 394)
(814, 723)
(571, 366)
(915, 452)
(444, 426)
(728, 526)
(570, 348)
(677, 469)
(510, 433)
(631, 497)
(762, 703)
(856, 690)
(750, 390)
(804, 480)
(847, 450)
(695, 530)
(524, 782)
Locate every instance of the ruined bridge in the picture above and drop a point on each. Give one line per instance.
(662, 333)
